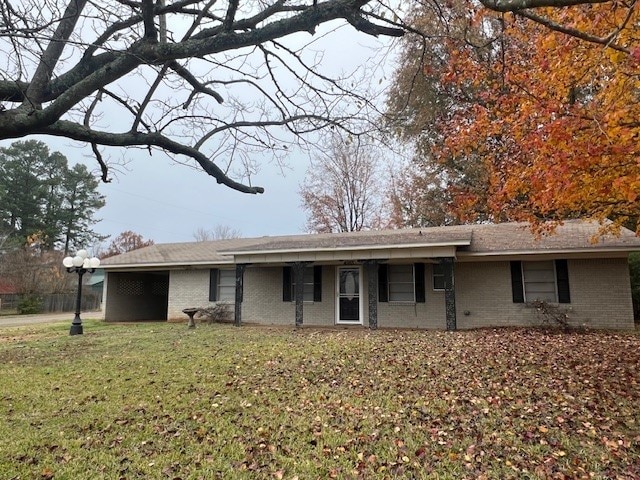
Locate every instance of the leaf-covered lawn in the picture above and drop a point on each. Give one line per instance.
(160, 401)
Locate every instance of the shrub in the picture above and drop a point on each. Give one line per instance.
(550, 315)
(29, 304)
(220, 312)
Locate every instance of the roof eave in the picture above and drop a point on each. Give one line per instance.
(165, 265)
(455, 243)
(600, 252)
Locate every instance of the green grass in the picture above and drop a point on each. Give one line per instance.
(159, 401)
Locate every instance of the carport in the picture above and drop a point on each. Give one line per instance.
(136, 296)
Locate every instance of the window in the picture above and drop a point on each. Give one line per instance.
(222, 285)
(307, 285)
(401, 287)
(539, 280)
(311, 284)
(438, 277)
(227, 286)
(547, 281)
(401, 283)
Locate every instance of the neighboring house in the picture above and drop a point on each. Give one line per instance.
(8, 295)
(7, 288)
(95, 282)
(444, 278)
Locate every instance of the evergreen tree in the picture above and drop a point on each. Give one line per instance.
(81, 201)
(22, 191)
(41, 197)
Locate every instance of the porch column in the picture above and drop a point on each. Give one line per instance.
(372, 289)
(239, 293)
(447, 264)
(298, 294)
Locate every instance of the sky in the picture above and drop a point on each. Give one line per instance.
(168, 202)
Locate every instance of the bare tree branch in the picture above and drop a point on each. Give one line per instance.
(99, 55)
(50, 57)
(574, 32)
(74, 131)
(515, 5)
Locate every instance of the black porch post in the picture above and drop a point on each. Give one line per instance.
(298, 294)
(449, 292)
(239, 293)
(372, 288)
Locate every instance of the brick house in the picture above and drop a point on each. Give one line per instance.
(450, 278)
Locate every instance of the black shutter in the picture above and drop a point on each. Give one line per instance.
(516, 282)
(286, 284)
(383, 283)
(418, 270)
(213, 285)
(317, 283)
(562, 274)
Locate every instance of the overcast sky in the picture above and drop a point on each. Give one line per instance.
(167, 202)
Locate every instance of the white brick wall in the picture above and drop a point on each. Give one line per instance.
(600, 296)
(263, 299)
(187, 288)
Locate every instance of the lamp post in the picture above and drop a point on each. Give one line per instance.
(79, 264)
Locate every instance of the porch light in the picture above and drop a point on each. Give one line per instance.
(80, 264)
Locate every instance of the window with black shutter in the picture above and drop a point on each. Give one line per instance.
(312, 284)
(541, 280)
(222, 285)
(401, 283)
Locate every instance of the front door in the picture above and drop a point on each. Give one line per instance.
(349, 299)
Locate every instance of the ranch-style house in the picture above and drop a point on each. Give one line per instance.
(448, 278)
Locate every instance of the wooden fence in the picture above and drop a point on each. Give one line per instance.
(57, 302)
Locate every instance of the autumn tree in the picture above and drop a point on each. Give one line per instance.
(125, 242)
(219, 232)
(420, 105)
(203, 81)
(33, 270)
(546, 108)
(41, 196)
(342, 191)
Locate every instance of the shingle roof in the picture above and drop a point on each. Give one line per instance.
(364, 239)
(575, 235)
(178, 253)
(482, 239)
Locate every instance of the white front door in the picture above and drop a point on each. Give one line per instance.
(349, 298)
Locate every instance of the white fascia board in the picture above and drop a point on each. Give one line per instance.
(613, 252)
(165, 266)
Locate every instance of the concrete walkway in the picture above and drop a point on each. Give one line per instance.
(24, 320)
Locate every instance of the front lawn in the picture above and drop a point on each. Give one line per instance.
(159, 401)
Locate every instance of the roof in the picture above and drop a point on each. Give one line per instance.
(96, 277)
(464, 240)
(186, 253)
(573, 235)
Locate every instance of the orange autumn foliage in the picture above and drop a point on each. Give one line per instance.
(555, 119)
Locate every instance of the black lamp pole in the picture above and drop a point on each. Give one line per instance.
(79, 264)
